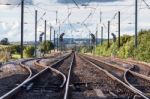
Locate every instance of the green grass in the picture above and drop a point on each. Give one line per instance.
(16, 56)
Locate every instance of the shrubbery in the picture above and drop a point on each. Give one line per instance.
(16, 49)
(29, 51)
(46, 46)
(127, 48)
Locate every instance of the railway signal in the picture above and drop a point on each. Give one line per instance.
(93, 40)
(41, 36)
(61, 39)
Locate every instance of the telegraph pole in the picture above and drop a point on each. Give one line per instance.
(57, 41)
(22, 26)
(50, 33)
(119, 29)
(102, 35)
(35, 33)
(136, 23)
(56, 16)
(108, 32)
(45, 31)
(54, 40)
(100, 17)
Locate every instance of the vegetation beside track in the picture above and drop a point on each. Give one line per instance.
(127, 49)
(10, 51)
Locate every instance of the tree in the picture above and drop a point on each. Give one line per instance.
(29, 51)
(4, 41)
(46, 46)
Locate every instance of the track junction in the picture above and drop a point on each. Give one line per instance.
(74, 76)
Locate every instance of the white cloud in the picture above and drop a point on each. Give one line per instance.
(15, 2)
(12, 17)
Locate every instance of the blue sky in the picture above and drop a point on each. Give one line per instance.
(10, 17)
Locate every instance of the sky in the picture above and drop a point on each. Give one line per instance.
(75, 18)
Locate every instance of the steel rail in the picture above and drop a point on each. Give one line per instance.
(138, 63)
(125, 73)
(18, 88)
(10, 93)
(138, 75)
(68, 78)
(115, 78)
(141, 76)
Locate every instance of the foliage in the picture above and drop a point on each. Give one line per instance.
(5, 53)
(127, 49)
(46, 46)
(4, 41)
(29, 51)
(16, 49)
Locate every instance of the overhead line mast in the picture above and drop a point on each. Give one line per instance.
(22, 26)
(118, 29)
(35, 33)
(136, 23)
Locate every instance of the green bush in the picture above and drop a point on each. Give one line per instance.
(127, 48)
(46, 46)
(29, 51)
(16, 49)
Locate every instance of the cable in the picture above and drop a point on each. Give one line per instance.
(76, 3)
(146, 4)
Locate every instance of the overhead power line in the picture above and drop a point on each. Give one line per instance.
(76, 3)
(146, 4)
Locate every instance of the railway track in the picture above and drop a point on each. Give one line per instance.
(110, 68)
(133, 78)
(11, 76)
(87, 80)
(78, 77)
(113, 69)
(51, 61)
(44, 61)
(64, 66)
(30, 63)
(46, 84)
(140, 83)
(139, 67)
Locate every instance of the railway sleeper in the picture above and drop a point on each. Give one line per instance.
(79, 88)
(79, 95)
(32, 86)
